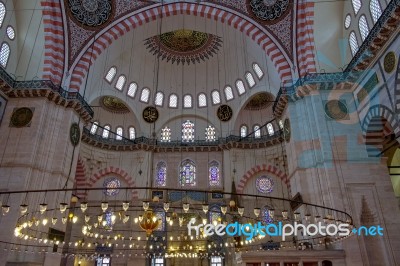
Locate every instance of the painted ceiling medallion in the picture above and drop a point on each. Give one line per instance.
(336, 109)
(21, 117)
(114, 105)
(92, 13)
(184, 46)
(260, 101)
(269, 10)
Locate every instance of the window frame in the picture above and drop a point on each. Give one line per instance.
(212, 97)
(129, 132)
(123, 84)
(96, 125)
(255, 134)
(162, 99)
(354, 7)
(148, 97)
(233, 95)
(363, 31)
(198, 99)
(254, 69)
(108, 131)
(162, 134)
(344, 21)
(249, 74)
(5, 13)
(357, 47)
(370, 10)
(191, 101)
(129, 88)
(10, 27)
(247, 130)
(181, 165)
(237, 87)
(3, 44)
(116, 133)
(177, 101)
(113, 77)
(160, 164)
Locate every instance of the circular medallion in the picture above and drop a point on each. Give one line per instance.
(336, 109)
(91, 13)
(150, 114)
(74, 134)
(265, 184)
(269, 10)
(111, 186)
(389, 62)
(286, 129)
(224, 113)
(21, 117)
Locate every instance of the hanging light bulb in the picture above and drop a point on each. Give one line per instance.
(23, 208)
(42, 208)
(95, 225)
(45, 221)
(113, 218)
(285, 214)
(63, 207)
(168, 218)
(180, 221)
(100, 218)
(317, 218)
(140, 218)
(232, 203)
(125, 219)
(271, 213)
(87, 218)
(104, 206)
(257, 212)
(125, 205)
(241, 211)
(74, 219)
(296, 216)
(205, 208)
(204, 221)
(5, 209)
(307, 217)
(146, 205)
(84, 206)
(185, 207)
(64, 220)
(166, 206)
(53, 220)
(136, 220)
(224, 209)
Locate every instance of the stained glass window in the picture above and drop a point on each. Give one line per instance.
(270, 129)
(120, 131)
(363, 26)
(111, 74)
(265, 184)
(375, 9)
(187, 173)
(173, 101)
(214, 215)
(132, 133)
(188, 131)
(250, 80)
(94, 127)
(243, 131)
(145, 95)
(4, 54)
(108, 218)
(240, 87)
(166, 134)
(132, 90)
(228, 93)
(216, 98)
(266, 217)
(214, 174)
(111, 186)
(258, 71)
(106, 131)
(119, 85)
(161, 174)
(159, 99)
(210, 133)
(257, 131)
(202, 99)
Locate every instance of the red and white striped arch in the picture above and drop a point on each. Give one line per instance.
(258, 169)
(218, 13)
(54, 46)
(305, 38)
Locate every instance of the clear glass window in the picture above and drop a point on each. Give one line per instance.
(353, 43)
(4, 54)
(119, 134)
(145, 95)
(202, 100)
(2, 13)
(166, 134)
(94, 127)
(188, 131)
(240, 87)
(243, 131)
(119, 85)
(270, 129)
(187, 101)
(216, 98)
(363, 25)
(106, 131)
(257, 131)
(210, 133)
(257, 69)
(375, 9)
(132, 133)
(111, 74)
(159, 99)
(132, 89)
(228, 93)
(250, 80)
(356, 5)
(173, 101)
(10, 33)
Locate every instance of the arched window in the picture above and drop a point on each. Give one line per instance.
(10, 33)
(188, 131)
(2, 13)
(132, 90)
(210, 133)
(258, 71)
(94, 127)
(166, 134)
(202, 100)
(145, 95)
(243, 131)
(363, 26)
(159, 99)
(347, 21)
(187, 173)
(161, 174)
(214, 215)
(250, 80)
(266, 216)
(228, 93)
(173, 101)
(119, 133)
(375, 9)
(4, 54)
(106, 131)
(270, 129)
(353, 43)
(160, 214)
(132, 133)
(119, 85)
(356, 5)
(214, 177)
(111, 74)
(187, 101)
(257, 131)
(216, 98)
(280, 124)
(240, 87)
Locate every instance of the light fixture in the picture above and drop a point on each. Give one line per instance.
(241, 211)
(307, 217)
(53, 220)
(257, 212)
(140, 218)
(42, 208)
(285, 214)
(63, 207)
(150, 222)
(271, 213)
(296, 216)
(185, 207)
(232, 203)
(125, 219)
(205, 208)
(84, 206)
(146, 205)
(113, 218)
(125, 205)
(23, 208)
(100, 218)
(224, 209)
(166, 206)
(74, 219)
(87, 218)
(104, 206)
(45, 221)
